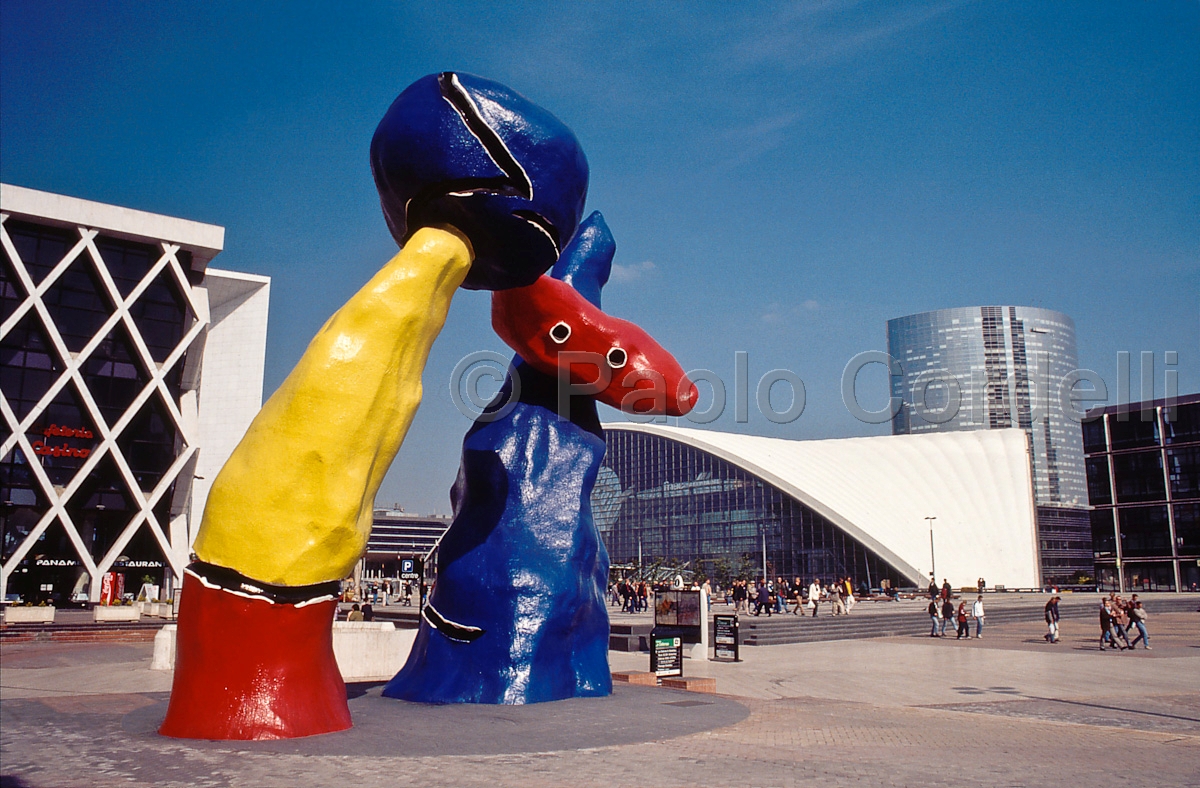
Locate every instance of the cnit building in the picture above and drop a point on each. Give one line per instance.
(129, 370)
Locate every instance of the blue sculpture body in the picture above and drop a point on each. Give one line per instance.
(456, 149)
(518, 614)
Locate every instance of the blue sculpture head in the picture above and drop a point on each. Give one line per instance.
(471, 153)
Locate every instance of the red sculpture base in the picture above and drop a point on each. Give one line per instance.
(251, 669)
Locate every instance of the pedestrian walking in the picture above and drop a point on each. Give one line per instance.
(740, 596)
(1137, 616)
(947, 615)
(814, 596)
(978, 614)
(1107, 635)
(835, 592)
(935, 618)
(933, 589)
(964, 629)
(1051, 613)
(946, 590)
(762, 599)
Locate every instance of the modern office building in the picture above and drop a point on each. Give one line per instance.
(396, 534)
(129, 369)
(998, 367)
(1143, 471)
(894, 508)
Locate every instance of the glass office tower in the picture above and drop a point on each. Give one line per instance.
(978, 368)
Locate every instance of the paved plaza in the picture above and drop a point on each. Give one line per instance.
(1008, 709)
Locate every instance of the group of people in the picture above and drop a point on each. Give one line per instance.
(775, 596)
(1117, 617)
(632, 595)
(942, 612)
(379, 592)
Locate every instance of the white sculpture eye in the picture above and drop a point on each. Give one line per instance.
(616, 358)
(560, 332)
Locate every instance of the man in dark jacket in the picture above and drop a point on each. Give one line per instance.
(1051, 612)
(763, 600)
(947, 614)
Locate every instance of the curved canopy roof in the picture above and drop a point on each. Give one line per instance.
(879, 490)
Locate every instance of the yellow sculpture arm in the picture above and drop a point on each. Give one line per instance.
(293, 504)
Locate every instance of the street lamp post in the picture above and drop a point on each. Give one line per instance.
(932, 559)
(763, 530)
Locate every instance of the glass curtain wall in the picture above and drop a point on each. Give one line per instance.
(657, 500)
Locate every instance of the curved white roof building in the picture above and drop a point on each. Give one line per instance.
(854, 506)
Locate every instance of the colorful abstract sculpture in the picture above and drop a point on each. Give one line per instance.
(477, 184)
(518, 614)
(464, 151)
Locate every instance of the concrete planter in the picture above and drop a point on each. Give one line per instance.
(365, 650)
(29, 615)
(116, 613)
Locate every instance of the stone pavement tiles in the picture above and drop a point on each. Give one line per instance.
(1005, 710)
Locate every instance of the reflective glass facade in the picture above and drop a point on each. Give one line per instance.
(658, 499)
(991, 367)
(1143, 465)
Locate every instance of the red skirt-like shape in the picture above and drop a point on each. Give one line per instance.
(251, 669)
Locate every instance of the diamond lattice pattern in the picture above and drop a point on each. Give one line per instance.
(93, 335)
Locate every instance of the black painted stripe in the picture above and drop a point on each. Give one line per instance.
(455, 93)
(457, 632)
(232, 580)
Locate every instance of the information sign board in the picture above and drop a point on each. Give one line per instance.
(677, 608)
(725, 629)
(666, 656)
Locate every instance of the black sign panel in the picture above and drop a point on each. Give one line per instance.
(410, 568)
(666, 656)
(725, 645)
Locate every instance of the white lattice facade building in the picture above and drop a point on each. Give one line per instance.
(129, 370)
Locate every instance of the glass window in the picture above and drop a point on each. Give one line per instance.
(40, 248)
(1104, 538)
(1093, 436)
(1187, 529)
(28, 365)
(1150, 577)
(114, 374)
(1182, 423)
(78, 303)
(1133, 432)
(148, 443)
(1099, 491)
(1139, 477)
(1144, 531)
(1183, 466)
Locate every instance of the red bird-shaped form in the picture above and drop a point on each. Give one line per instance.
(558, 332)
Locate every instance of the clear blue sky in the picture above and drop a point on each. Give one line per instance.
(780, 178)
